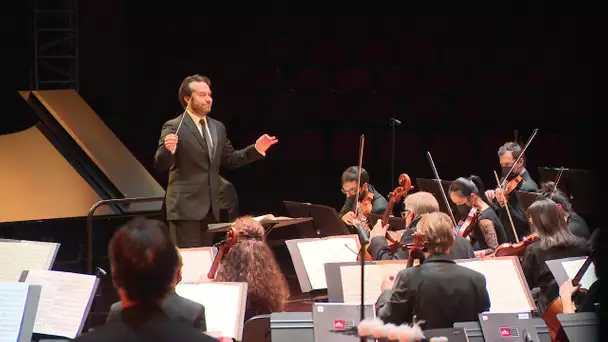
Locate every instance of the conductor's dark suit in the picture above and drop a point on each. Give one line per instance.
(193, 189)
(175, 307)
(439, 291)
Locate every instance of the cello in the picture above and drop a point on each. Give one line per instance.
(232, 237)
(556, 306)
(393, 238)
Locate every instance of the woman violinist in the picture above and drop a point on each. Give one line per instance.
(486, 229)
(555, 241)
(576, 224)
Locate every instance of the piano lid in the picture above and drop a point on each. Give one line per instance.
(67, 162)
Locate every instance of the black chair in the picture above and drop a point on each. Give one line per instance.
(257, 329)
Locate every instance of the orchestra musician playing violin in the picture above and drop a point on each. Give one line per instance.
(521, 180)
(415, 205)
(438, 291)
(555, 241)
(349, 188)
(486, 229)
(576, 224)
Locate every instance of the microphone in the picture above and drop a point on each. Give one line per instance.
(395, 121)
(101, 272)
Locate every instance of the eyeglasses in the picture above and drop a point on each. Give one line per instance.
(349, 192)
(405, 213)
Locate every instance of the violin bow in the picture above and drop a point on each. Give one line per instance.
(357, 209)
(507, 209)
(559, 176)
(504, 182)
(445, 198)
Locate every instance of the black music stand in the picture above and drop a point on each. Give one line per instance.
(430, 185)
(394, 223)
(527, 198)
(326, 221)
(267, 224)
(577, 184)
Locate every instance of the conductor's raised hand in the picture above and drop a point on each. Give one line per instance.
(264, 142)
(171, 142)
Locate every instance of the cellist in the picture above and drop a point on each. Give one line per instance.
(508, 154)
(349, 188)
(415, 205)
(555, 242)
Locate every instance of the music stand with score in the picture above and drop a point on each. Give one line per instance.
(326, 221)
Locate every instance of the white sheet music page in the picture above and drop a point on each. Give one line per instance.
(64, 299)
(12, 306)
(197, 262)
(16, 257)
(502, 282)
(224, 305)
(374, 274)
(316, 253)
(572, 268)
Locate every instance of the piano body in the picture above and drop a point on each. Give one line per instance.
(54, 171)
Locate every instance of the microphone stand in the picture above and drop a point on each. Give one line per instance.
(364, 240)
(393, 122)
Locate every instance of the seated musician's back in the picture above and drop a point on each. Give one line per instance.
(143, 263)
(439, 291)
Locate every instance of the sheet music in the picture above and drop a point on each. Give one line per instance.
(63, 303)
(572, 268)
(197, 262)
(316, 253)
(270, 217)
(13, 297)
(507, 293)
(16, 257)
(224, 305)
(374, 275)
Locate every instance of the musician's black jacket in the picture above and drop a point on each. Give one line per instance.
(438, 291)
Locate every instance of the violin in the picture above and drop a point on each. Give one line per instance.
(502, 195)
(465, 226)
(415, 248)
(232, 237)
(365, 204)
(394, 238)
(556, 306)
(515, 249)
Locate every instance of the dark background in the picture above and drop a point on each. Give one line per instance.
(461, 85)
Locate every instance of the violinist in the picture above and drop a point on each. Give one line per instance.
(349, 188)
(487, 231)
(555, 242)
(438, 291)
(415, 205)
(507, 155)
(576, 224)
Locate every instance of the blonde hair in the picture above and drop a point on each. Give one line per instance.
(421, 202)
(438, 231)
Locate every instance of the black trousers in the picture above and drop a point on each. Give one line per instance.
(186, 234)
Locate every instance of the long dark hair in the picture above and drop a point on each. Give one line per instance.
(548, 190)
(550, 225)
(466, 186)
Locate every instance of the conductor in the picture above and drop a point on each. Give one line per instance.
(192, 148)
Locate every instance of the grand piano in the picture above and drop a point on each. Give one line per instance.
(57, 167)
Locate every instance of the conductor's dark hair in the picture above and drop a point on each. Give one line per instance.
(186, 90)
(466, 186)
(548, 190)
(143, 259)
(512, 147)
(350, 175)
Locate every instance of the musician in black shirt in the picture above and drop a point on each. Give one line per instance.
(507, 155)
(487, 232)
(576, 224)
